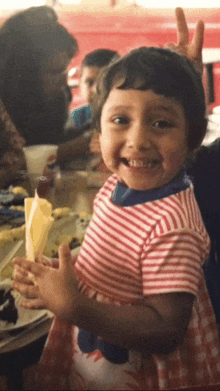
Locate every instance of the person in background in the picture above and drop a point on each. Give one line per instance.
(84, 147)
(35, 52)
(12, 161)
(134, 311)
(34, 95)
(90, 68)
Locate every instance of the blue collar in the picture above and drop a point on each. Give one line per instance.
(124, 196)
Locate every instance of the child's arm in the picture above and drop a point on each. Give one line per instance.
(156, 326)
(192, 50)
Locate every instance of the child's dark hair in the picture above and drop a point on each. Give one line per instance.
(99, 58)
(165, 73)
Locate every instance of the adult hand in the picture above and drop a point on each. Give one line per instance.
(56, 289)
(95, 144)
(191, 50)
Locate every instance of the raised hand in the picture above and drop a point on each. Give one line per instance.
(191, 50)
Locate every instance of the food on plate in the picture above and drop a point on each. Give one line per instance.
(8, 310)
(20, 190)
(11, 235)
(17, 207)
(67, 228)
(61, 212)
(51, 249)
(9, 197)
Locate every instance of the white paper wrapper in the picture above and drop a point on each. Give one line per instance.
(38, 222)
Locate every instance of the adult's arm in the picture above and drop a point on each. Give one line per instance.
(73, 148)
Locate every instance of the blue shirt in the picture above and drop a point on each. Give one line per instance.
(81, 115)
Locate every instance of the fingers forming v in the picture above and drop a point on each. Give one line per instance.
(197, 41)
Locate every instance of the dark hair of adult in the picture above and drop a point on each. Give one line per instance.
(99, 58)
(165, 73)
(28, 40)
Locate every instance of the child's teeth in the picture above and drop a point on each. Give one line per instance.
(140, 163)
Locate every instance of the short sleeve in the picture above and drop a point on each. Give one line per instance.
(173, 262)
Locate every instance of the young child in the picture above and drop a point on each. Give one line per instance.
(135, 312)
(85, 144)
(91, 66)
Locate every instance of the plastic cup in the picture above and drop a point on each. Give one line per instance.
(39, 160)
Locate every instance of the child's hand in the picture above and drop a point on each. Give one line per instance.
(56, 289)
(192, 50)
(24, 284)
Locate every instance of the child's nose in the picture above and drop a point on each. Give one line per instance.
(139, 138)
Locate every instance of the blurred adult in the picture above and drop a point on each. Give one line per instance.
(34, 96)
(35, 52)
(12, 160)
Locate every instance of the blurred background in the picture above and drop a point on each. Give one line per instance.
(125, 24)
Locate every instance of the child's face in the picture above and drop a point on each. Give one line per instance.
(88, 80)
(143, 137)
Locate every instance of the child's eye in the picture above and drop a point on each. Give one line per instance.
(163, 124)
(121, 120)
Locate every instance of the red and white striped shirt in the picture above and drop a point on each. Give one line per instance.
(153, 248)
(128, 253)
(135, 251)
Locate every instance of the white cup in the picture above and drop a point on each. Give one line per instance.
(38, 158)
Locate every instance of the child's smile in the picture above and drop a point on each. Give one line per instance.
(143, 137)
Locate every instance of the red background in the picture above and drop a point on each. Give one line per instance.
(134, 27)
(124, 32)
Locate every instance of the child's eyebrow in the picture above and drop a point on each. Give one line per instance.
(167, 108)
(119, 107)
(154, 108)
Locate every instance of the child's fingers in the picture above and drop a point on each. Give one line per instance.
(21, 275)
(43, 260)
(35, 268)
(34, 304)
(64, 256)
(18, 259)
(28, 291)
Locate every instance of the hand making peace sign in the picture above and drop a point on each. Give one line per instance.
(191, 50)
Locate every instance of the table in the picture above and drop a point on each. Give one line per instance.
(74, 189)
